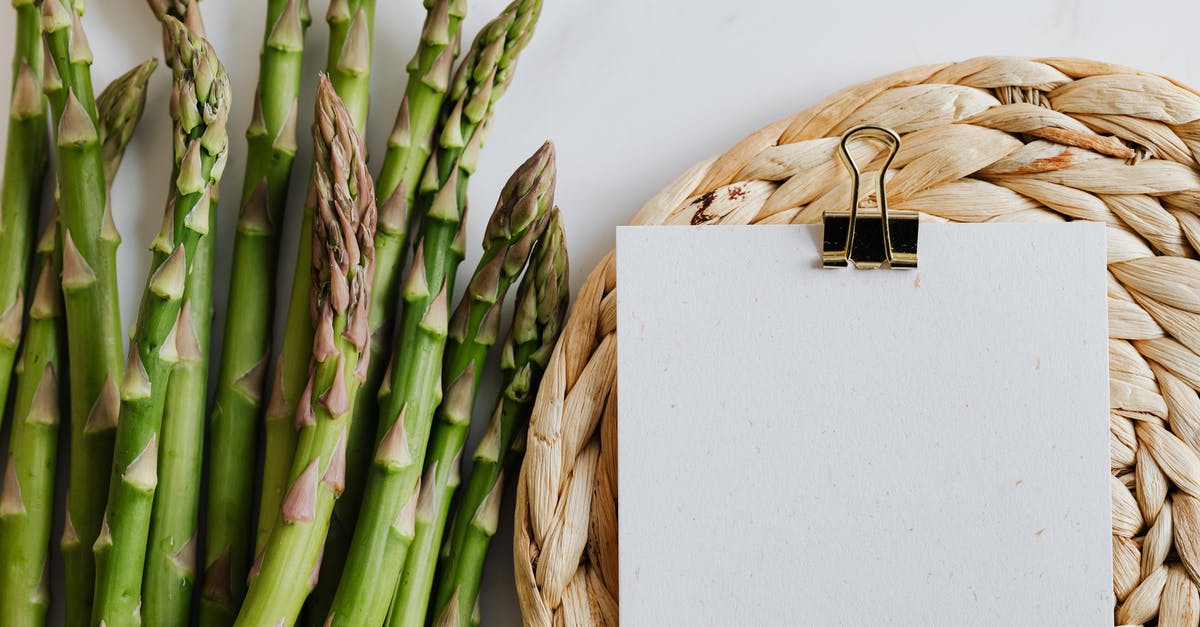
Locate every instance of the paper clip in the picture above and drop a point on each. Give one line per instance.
(868, 234)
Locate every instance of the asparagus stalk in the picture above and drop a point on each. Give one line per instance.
(343, 259)
(539, 315)
(348, 60)
(411, 140)
(164, 334)
(271, 147)
(21, 192)
(89, 282)
(26, 499)
(351, 24)
(171, 551)
(385, 525)
(474, 328)
(408, 151)
(27, 495)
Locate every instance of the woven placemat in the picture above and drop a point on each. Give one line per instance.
(985, 140)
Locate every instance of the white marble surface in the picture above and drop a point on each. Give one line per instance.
(632, 91)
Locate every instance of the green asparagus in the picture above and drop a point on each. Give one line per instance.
(474, 328)
(171, 551)
(343, 258)
(351, 24)
(27, 502)
(413, 390)
(539, 315)
(271, 148)
(411, 140)
(408, 150)
(89, 282)
(27, 494)
(164, 334)
(21, 194)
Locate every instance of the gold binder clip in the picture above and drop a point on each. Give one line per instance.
(870, 235)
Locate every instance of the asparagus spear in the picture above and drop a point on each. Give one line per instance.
(408, 150)
(170, 555)
(385, 525)
(540, 312)
(89, 281)
(164, 334)
(26, 499)
(343, 259)
(171, 551)
(351, 24)
(21, 195)
(514, 226)
(271, 145)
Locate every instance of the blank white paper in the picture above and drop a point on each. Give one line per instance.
(802, 446)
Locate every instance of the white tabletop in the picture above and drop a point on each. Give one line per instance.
(632, 92)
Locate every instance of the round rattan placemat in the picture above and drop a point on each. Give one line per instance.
(988, 139)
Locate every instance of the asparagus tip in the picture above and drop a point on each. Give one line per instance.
(528, 193)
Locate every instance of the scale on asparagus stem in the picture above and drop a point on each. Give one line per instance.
(868, 234)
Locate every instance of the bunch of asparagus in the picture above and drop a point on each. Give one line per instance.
(362, 447)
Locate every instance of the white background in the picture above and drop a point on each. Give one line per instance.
(632, 92)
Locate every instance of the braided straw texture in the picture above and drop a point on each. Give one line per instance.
(984, 140)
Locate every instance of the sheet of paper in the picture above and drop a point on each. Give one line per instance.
(801, 446)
